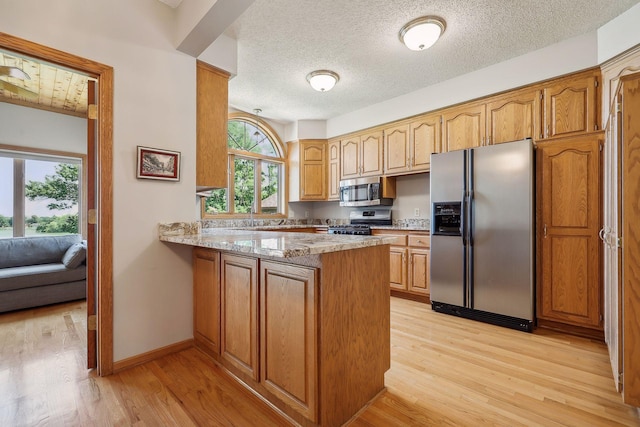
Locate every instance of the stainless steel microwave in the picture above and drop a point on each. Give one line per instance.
(363, 192)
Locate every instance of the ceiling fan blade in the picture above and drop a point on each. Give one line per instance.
(14, 72)
(20, 91)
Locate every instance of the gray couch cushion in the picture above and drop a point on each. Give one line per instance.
(38, 275)
(74, 256)
(20, 251)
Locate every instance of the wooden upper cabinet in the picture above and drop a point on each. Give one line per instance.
(569, 176)
(308, 170)
(396, 149)
(463, 127)
(514, 116)
(350, 158)
(361, 155)
(333, 153)
(371, 154)
(571, 105)
(408, 147)
(212, 86)
(424, 139)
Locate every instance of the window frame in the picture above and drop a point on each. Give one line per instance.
(283, 184)
(32, 153)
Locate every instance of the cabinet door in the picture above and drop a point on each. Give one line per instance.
(571, 105)
(313, 178)
(570, 289)
(239, 313)
(350, 158)
(206, 299)
(424, 140)
(288, 325)
(396, 149)
(371, 154)
(463, 127)
(334, 170)
(211, 126)
(419, 270)
(398, 268)
(515, 116)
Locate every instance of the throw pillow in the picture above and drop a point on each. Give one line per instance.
(74, 256)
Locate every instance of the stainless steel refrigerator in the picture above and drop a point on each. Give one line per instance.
(482, 234)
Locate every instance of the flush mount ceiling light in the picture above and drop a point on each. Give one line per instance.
(422, 33)
(322, 80)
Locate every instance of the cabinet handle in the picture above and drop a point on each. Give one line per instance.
(547, 131)
(601, 234)
(545, 231)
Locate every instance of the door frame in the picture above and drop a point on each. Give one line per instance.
(104, 172)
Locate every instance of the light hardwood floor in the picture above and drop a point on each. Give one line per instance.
(444, 371)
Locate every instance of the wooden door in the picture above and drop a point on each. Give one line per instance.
(350, 158)
(463, 127)
(398, 267)
(630, 127)
(371, 154)
(91, 211)
(515, 116)
(239, 313)
(333, 149)
(313, 178)
(419, 270)
(396, 149)
(424, 140)
(570, 283)
(571, 105)
(288, 335)
(206, 299)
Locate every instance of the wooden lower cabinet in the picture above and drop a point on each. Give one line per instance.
(408, 263)
(206, 299)
(239, 312)
(309, 335)
(288, 337)
(570, 289)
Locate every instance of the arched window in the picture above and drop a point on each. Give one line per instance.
(256, 171)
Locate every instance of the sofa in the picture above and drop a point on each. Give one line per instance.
(36, 271)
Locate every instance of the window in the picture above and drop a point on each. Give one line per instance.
(39, 194)
(256, 171)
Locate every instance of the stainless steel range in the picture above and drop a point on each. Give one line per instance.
(360, 222)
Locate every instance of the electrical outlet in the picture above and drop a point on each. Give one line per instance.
(416, 212)
(306, 214)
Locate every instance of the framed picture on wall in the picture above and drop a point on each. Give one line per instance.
(155, 163)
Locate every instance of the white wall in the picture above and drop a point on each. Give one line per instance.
(412, 192)
(619, 34)
(154, 95)
(28, 127)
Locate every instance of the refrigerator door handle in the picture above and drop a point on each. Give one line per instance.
(463, 217)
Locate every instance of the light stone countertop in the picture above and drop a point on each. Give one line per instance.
(280, 244)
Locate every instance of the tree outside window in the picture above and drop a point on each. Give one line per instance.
(256, 166)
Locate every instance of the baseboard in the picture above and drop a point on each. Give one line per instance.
(413, 297)
(595, 334)
(130, 362)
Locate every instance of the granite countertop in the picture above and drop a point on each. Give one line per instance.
(281, 244)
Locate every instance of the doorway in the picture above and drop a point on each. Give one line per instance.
(100, 247)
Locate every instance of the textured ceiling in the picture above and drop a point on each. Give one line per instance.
(280, 41)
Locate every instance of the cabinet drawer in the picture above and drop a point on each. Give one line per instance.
(419, 241)
(399, 240)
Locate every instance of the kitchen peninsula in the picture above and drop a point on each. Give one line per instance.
(301, 319)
